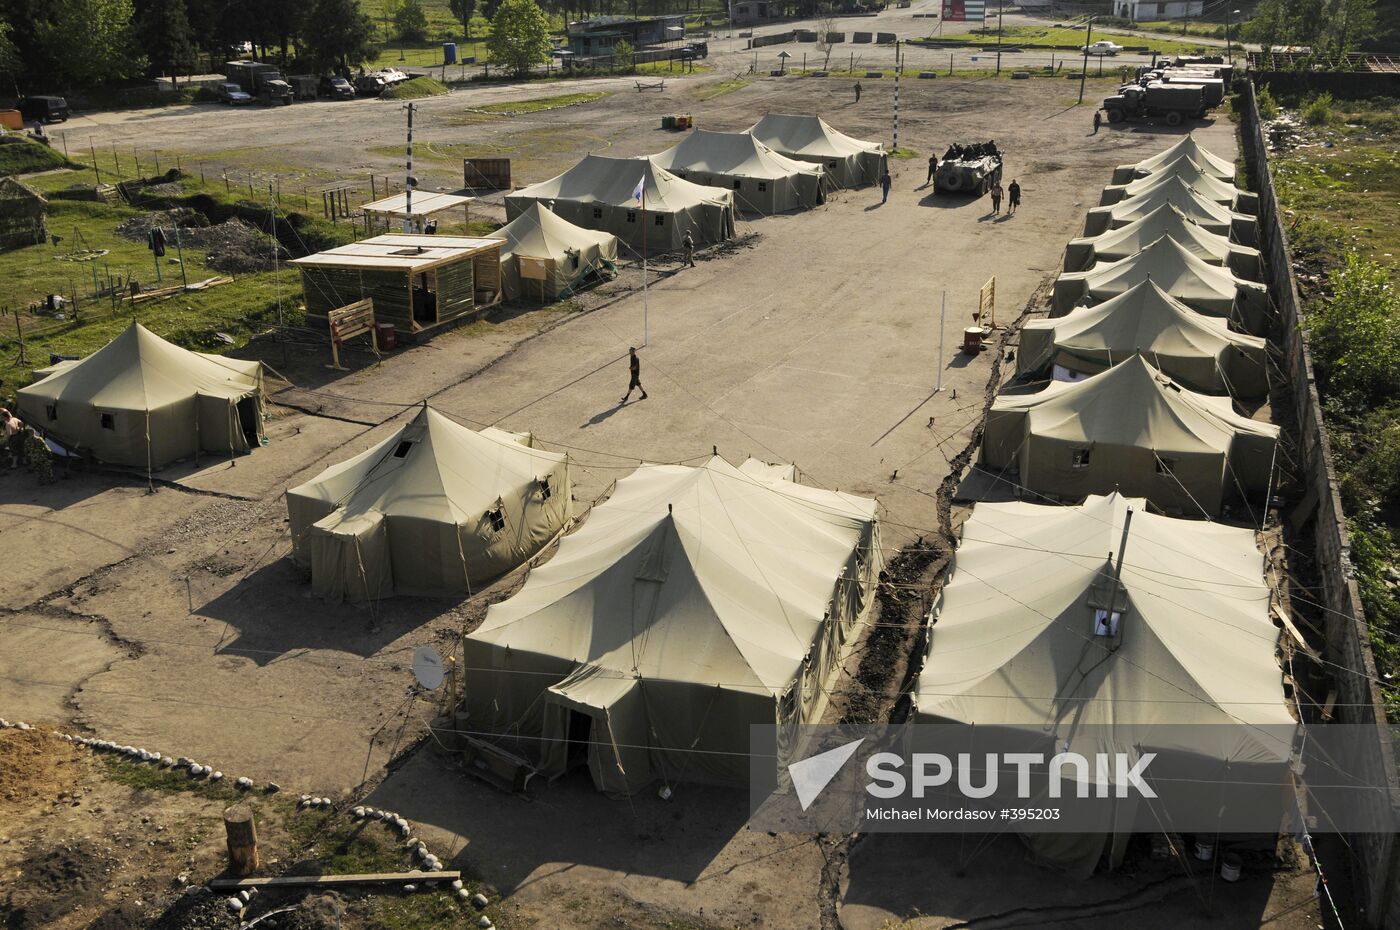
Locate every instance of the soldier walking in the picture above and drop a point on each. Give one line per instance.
(634, 365)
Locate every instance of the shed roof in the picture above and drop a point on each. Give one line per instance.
(400, 253)
(423, 204)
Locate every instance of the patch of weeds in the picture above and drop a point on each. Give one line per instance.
(904, 153)
(540, 104)
(416, 88)
(720, 88)
(1318, 110)
(146, 777)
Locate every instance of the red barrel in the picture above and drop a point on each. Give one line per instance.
(385, 337)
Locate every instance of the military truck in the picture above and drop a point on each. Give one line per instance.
(261, 80)
(1173, 102)
(968, 168)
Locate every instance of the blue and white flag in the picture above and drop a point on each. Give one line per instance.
(641, 186)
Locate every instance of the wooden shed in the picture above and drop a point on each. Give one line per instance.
(417, 283)
(391, 211)
(22, 214)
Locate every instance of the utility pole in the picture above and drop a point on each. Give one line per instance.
(1229, 48)
(409, 183)
(1118, 574)
(999, 10)
(1088, 37)
(898, 69)
(942, 318)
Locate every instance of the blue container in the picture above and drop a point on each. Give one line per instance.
(449, 53)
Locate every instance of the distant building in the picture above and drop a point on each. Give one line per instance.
(598, 36)
(1146, 11)
(756, 11)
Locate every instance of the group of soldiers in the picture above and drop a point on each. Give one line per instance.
(971, 150)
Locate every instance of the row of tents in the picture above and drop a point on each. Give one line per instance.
(1060, 624)
(694, 602)
(1131, 383)
(780, 163)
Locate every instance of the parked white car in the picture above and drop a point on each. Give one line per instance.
(1103, 47)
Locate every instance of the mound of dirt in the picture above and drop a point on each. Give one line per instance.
(138, 227)
(233, 247)
(35, 766)
(53, 883)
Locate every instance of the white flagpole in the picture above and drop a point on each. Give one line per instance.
(942, 317)
(646, 331)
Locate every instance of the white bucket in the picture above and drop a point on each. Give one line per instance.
(1205, 851)
(1230, 864)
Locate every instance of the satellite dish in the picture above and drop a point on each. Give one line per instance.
(427, 667)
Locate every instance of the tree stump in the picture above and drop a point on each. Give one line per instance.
(242, 833)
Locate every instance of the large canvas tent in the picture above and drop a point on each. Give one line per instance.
(1193, 176)
(1198, 351)
(1018, 645)
(598, 193)
(1199, 209)
(1134, 429)
(1209, 289)
(434, 510)
(1217, 166)
(694, 602)
(849, 162)
(1165, 220)
(762, 180)
(548, 256)
(140, 400)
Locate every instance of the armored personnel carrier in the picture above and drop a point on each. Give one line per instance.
(968, 168)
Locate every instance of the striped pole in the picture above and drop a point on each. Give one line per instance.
(898, 67)
(408, 176)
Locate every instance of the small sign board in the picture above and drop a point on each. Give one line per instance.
(987, 303)
(533, 269)
(349, 321)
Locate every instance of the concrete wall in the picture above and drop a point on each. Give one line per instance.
(1318, 518)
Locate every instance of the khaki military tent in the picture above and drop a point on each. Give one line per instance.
(693, 603)
(1134, 429)
(1165, 220)
(1209, 289)
(1032, 638)
(432, 511)
(762, 180)
(1194, 177)
(1201, 210)
(848, 161)
(1209, 161)
(547, 256)
(598, 193)
(140, 400)
(1199, 352)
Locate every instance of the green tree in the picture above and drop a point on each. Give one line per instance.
(464, 10)
(10, 62)
(88, 41)
(624, 57)
(519, 36)
(163, 30)
(411, 21)
(343, 36)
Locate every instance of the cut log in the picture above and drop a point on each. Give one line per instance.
(371, 878)
(242, 833)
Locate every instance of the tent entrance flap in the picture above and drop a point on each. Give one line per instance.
(596, 711)
(350, 558)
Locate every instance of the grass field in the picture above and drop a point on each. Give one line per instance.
(242, 309)
(1051, 36)
(24, 157)
(540, 104)
(1339, 197)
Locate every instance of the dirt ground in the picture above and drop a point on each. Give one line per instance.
(169, 616)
